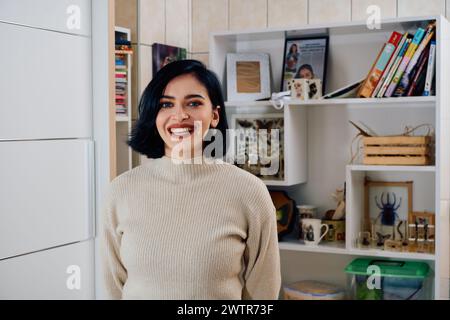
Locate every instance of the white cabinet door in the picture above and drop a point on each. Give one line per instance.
(45, 82)
(61, 273)
(72, 16)
(46, 194)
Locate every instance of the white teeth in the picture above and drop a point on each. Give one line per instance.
(179, 130)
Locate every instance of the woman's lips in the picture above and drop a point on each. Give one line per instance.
(178, 132)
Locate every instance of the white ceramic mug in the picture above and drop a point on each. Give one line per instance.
(312, 228)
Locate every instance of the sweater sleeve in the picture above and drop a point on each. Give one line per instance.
(114, 273)
(262, 276)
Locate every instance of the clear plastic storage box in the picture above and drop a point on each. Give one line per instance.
(370, 279)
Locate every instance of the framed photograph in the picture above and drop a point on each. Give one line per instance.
(256, 152)
(387, 206)
(248, 76)
(305, 58)
(163, 54)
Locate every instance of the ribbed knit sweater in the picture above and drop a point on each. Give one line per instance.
(189, 231)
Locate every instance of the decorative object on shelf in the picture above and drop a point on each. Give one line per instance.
(248, 76)
(403, 149)
(336, 230)
(163, 54)
(260, 144)
(312, 231)
(397, 150)
(421, 227)
(305, 58)
(387, 206)
(339, 212)
(305, 212)
(313, 290)
(364, 240)
(400, 280)
(286, 212)
(305, 89)
(349, 91)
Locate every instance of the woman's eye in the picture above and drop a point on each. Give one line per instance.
(194, 104)
(165, 104)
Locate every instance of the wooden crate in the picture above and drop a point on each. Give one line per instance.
(397, 150)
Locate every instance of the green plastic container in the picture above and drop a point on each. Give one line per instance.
(371, 279)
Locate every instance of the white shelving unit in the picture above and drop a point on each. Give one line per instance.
(318, 139)
(123, 121)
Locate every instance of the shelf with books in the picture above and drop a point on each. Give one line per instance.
(123, 60)
(325, 129)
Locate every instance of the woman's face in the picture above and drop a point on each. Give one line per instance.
(185, 116)
(305, 74)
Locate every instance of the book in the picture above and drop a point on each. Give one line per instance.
(379, 65)
(349, 91)
(390, 64)
(406, 59)
(404, 82)
(395, 66)
(417, 72)
(430, 69)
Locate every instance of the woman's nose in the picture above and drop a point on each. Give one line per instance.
(180, 114)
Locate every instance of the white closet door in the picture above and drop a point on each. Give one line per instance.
(45, 83)
(46, 194)
(72, 16)
(61, 273)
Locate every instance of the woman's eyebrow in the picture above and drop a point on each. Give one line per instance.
(189, 96)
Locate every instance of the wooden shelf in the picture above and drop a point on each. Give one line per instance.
(339, 248)
(402, 102)
(392, 168)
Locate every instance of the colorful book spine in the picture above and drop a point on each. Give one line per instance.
(380, 64)
(417, 72)
(405, 80)
(390, 64)
(418, 36)
(430, 69)
(394, 68)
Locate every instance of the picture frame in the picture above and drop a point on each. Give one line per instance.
(266, 121)
(163, 54)
(305, 57)
(382, 200)
(248, 76)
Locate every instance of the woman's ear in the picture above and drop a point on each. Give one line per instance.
(215, 117)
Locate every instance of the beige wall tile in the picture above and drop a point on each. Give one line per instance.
(408, 8)
(248, 14)
(388, 8)
(152, 21)
(324, 11)
(126, 16)
(177, 23)
(287, 13)
(207, 16)
(203, 57)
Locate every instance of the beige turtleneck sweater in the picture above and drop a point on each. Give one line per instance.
(189, 231)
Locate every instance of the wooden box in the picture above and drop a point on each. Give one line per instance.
(397, 150)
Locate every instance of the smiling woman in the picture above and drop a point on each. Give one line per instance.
(195, 230)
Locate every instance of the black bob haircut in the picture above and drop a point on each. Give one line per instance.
(144, 137)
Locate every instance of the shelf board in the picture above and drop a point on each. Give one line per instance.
(392, 168)
(339, 248)
(405, 102)
(324, 247)
(120, 118)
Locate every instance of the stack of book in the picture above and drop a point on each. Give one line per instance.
(404, 66)
(123, 48)
(121, 84)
